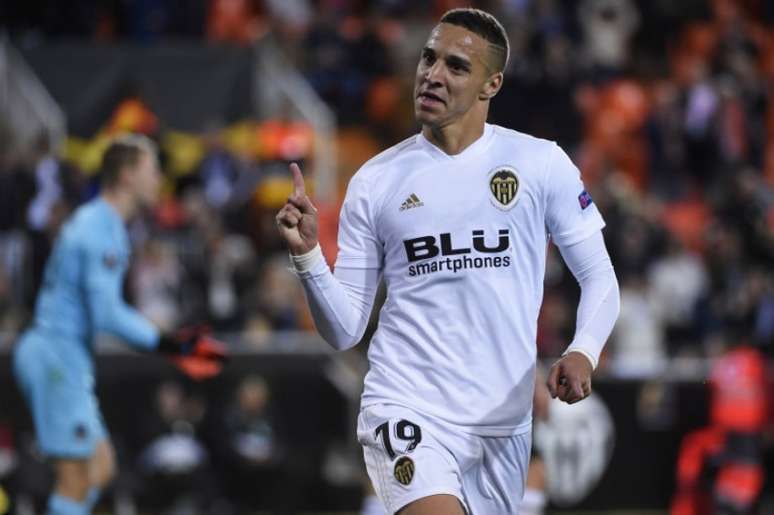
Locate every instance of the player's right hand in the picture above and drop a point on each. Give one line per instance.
(297, 220)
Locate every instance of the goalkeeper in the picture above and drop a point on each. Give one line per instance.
(81, 296)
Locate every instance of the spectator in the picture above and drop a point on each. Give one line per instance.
(218, 172)
(156, 284)
(278, 297)
(638, 338)
(236, 21)
(174, 464)
(677, 282)
(232, 263)
(608, 28)
(250, 453)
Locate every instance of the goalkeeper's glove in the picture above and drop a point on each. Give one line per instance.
(194, 351)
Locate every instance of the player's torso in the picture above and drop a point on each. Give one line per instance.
(464, 243)
(476, 219)
(62, 308)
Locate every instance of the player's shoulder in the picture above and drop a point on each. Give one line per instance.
(514, 139)
(90, 213)
(88, 223)
(391, 159)
(544, 156)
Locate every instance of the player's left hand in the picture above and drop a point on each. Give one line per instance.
(194, 352)
(570, 378)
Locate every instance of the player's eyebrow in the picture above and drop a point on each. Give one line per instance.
(459, 61)
(451, 60)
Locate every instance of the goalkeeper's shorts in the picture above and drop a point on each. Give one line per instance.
(64, 408)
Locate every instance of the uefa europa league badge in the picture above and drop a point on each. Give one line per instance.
(504, 186)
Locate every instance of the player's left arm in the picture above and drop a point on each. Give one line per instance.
(575, 226)
(589, 262)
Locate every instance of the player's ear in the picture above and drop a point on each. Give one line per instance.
(128, 176)
(491, 86)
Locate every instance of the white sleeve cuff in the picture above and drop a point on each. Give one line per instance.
(305, 262)
(576, 346)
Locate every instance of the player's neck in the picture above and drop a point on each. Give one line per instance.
(121, 201)
(454, 138)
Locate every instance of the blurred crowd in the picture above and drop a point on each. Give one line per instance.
(208, 253)
(667, 107)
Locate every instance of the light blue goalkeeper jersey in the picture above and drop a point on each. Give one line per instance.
(81, 294)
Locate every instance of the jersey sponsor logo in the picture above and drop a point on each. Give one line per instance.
(504, 185)
(459, 264)
(584, 199)
(411, 202)
(429, 247)
(404, 470)
(425, 247)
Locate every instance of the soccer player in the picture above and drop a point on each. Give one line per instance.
(81, 296)
(456, 220)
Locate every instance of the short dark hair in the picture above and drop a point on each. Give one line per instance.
(485, 25)
(124, 151)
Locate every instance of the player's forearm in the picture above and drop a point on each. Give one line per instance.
(600, 299)
(597, 312)
(341, 304)
(123, 321)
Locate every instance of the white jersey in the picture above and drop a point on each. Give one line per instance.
(461, 241)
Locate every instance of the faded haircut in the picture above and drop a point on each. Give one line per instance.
(485, 25)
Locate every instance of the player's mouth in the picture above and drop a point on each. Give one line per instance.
(429, 100)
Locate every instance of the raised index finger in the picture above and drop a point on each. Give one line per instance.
(298, 180)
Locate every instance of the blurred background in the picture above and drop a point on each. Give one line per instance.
(666, 106)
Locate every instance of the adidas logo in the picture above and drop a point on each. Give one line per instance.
(411, 201)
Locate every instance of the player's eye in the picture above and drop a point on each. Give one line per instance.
(457, 67)
(428, 58)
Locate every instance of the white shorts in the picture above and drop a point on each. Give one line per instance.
(409, 457)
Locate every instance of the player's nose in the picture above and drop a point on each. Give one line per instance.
(434, 73)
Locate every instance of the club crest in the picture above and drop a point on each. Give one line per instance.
(504, 185)
(404, 470)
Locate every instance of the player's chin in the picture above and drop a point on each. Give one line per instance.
(427, 117)
(150, 201)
